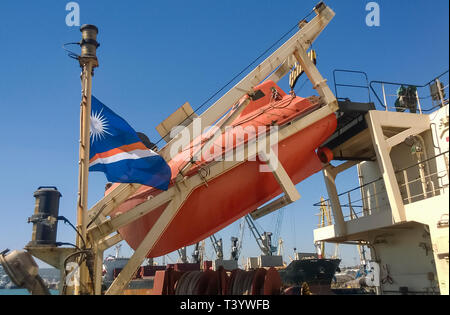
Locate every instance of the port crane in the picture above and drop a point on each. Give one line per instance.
(218, 246)
(196, 255)
(263, 240)
(183, 255)
(280, 249)
(234, 248)
(278, 225)
(276, 235)
(236, 242)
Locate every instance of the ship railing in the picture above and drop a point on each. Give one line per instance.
(364, 200)
(345, 81)
(431, 179)
(429, 96)
(423, 180)
(371, 199)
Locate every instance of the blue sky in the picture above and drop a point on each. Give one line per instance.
(156, 55)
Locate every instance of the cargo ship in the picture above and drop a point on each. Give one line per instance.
(399, 149)
(316, 273)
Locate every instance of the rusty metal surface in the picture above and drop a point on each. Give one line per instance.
(238, 282)
(272, 282)
(258, 281)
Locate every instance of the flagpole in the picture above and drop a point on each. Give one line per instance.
(88, 61)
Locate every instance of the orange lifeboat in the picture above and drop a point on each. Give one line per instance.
(241, 190)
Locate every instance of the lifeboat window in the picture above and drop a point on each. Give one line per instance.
(257, 95)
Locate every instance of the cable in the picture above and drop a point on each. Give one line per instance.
(294, 229)
(240, 73)
(71, 54)
(96, 216)
(66, 221)
(83, 258)
(301, 87)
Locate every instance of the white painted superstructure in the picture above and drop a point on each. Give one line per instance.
(401, 208)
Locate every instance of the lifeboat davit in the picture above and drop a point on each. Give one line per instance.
(241, 190)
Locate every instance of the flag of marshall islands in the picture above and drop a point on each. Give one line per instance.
(117, 151)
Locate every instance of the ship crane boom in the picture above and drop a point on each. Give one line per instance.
(218, 246)
(263, 240)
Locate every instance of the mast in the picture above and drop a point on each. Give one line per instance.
(88, 61)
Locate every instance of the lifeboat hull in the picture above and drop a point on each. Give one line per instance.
(230, 196)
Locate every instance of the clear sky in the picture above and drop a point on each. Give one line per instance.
(156, 55)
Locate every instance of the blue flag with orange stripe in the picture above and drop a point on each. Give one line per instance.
(117, 151)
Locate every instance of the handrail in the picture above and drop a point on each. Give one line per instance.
(404, 84)
(426, 193)
(422, 162)
(350, 85)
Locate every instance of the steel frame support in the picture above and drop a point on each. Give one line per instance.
(280, 63)
(99, 231)
(302, 40)
(185, 188)
(376, 120)
(97, 214)
(101, 226)
(291, 193)
(329, 173)
(181, 190)
(99, 249)
(270, 207)
(146, 245)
